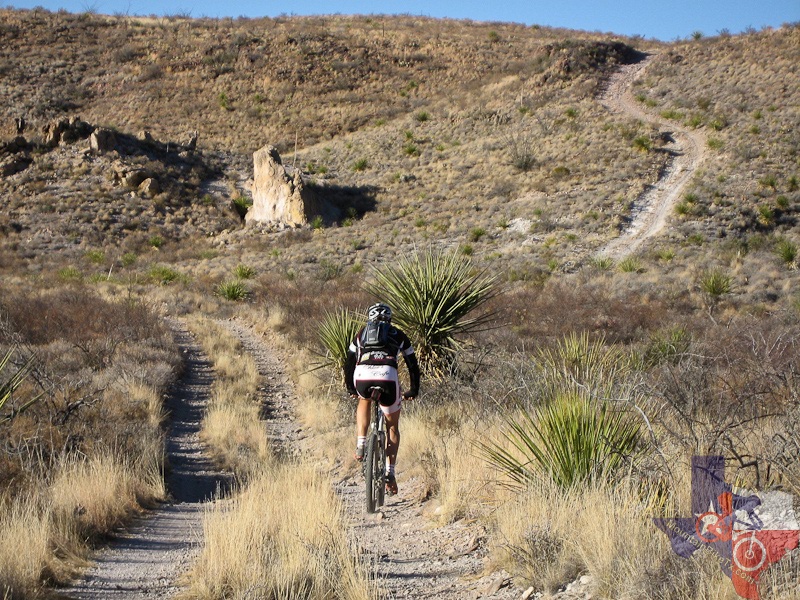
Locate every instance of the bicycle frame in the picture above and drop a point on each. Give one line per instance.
(375, 455)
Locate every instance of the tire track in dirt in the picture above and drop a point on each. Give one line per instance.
(145, 560)
(687, 148)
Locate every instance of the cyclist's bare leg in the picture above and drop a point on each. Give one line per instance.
(393, 443)
(362, 416)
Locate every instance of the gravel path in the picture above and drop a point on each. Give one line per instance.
(687, 148)
(145, 560)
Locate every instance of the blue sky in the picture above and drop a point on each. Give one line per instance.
(665, 19)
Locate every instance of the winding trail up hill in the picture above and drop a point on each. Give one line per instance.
(687, 148)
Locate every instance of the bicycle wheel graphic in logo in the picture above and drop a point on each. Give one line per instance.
(712, 527)
(749, 553)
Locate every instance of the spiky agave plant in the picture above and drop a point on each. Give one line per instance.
(336, 331)
(571, 439)
(434, 296)
(11, 378)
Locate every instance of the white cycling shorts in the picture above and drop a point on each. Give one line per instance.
(385, 376)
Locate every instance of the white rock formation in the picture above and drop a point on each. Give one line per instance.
(278, 197)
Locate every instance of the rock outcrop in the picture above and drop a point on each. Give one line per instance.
(67, 131)
(278, 197)
(102, 140)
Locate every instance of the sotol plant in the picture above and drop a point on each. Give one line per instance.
(336, 332)
(435, 296)
(572, 439)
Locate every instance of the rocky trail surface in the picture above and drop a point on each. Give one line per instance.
(687, 149)
(145, 560)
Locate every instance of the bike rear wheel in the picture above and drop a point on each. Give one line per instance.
(374, 472)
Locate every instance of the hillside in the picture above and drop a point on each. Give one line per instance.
(485, 135)
(634, 203)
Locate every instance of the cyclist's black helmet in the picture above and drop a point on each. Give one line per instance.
(379, 312)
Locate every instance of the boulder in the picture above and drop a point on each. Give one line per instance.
(279, 197)
(102, 140)
(150, 187)
(66, 130)
(133, 179)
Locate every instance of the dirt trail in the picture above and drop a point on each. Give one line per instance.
(687, 149)
(412, 557)
(145, 560)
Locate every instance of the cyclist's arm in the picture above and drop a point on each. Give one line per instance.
(413, 372)
(349, 370)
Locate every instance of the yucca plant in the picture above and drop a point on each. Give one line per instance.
(716, 284)
(435, 296)
(15, 379)
(336, 332)
(572, 439)
(787, 250)
(577, 362)
(233, 290)
(244, 272)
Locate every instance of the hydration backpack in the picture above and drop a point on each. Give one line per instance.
(375, 336)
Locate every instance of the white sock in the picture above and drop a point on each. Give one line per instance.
(362, 439)
(389, 469)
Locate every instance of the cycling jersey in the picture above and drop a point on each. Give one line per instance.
(358, 357)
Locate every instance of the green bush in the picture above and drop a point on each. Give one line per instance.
(244, 272)
(164, 275)
(716, 283)
(336, 332)
(572, 439)
(241, 204)
(234, 290)
(787, 250)
(434, 295)
(422, 116)
(360, 165)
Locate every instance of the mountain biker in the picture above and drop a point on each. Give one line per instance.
(372, 361)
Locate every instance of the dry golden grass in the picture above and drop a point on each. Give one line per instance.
(282, 537)
(232, 426)
(48, 533)
(548, 536)
(25, 548)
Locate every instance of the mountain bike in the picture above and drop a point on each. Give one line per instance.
(375, 454)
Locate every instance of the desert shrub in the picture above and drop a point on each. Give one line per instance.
(433, 295)
(643, 143)
(572, 439)
(234, 290)
(476, 233)
(336, 332)
(787, 251)
(716, 284)
(164, 275)
(630, 264)
(422, 116)
(241, 204)
(361, 165)
(12, 377)
(244, 272)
